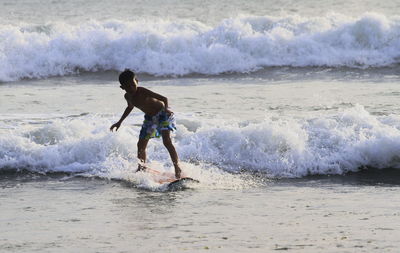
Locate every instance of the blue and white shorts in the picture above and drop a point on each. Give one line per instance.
(153, 125)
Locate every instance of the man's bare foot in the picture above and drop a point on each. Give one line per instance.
(141, 168)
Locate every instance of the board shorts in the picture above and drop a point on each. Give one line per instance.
(153, 125)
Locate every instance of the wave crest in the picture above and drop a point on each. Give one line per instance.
(183, 47)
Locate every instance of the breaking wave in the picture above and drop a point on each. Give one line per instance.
(336, 144)
(183, 47)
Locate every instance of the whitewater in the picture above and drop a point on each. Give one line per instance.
(348, 141)
(182, 47)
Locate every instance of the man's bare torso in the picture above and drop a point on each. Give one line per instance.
(143, 100)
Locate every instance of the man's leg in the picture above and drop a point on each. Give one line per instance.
(141, 149)
(172, 152)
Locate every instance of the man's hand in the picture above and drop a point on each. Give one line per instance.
(116, 125)
(126, 113)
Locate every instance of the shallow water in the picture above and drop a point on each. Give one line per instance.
(61, 214)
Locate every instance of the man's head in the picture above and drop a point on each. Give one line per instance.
(128, 81)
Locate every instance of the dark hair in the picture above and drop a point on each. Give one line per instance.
(126, 76)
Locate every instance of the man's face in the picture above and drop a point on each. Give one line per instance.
(131, 86)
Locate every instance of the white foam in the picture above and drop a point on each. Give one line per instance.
(336, 144)
(181, 47)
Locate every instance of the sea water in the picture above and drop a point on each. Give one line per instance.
(287, 114)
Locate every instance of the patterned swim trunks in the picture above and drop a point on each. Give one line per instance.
(153, 125)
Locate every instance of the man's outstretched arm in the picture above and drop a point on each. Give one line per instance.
(126, 113)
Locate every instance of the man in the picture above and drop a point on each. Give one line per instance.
(158, 121)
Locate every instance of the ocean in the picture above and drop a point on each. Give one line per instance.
(287, 113)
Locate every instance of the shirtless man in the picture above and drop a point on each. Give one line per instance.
(158, 119)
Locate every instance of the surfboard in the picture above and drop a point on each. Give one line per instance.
(181, 183)
(168, 178)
